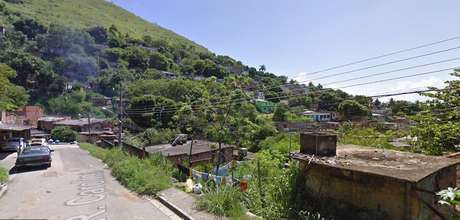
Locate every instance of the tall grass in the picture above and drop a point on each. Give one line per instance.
(3, 175)
(222, 201)
(146, 177)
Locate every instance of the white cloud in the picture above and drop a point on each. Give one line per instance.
(414, 85)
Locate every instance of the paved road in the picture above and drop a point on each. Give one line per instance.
(75, 187)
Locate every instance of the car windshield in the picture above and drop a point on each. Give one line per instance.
(35, 150)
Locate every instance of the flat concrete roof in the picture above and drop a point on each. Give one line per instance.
(389, 163)
(79, 122)
(199, 146)
(14, 127)
(51, 118)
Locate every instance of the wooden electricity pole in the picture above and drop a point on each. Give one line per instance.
(120, 117)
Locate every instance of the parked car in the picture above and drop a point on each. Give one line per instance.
(34, 156)
(13, 144)
(38, 142)
(179, 139)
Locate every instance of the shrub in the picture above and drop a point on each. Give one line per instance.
(222, 201)
(64, 133)
(3, 175)
(94, 151)
(142, 176)
(280, 143)
(368, 137)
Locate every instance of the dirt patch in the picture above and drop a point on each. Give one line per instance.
(131, 197)
(50, 174)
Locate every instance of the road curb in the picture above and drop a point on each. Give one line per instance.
(181, 213)
(3, 189)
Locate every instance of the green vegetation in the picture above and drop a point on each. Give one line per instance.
(272, 191)
(88, 13)
(370, 137)
(64, 134)
(350, 108)
(147, 176)
(222, 201)
(11, 96)
(280, 143)
(438, 126)
(3, 175)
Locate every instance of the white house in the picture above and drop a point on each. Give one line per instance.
(318, 116)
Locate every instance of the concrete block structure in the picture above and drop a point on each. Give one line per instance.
(322, 144)
(202, 152)
(368, 183)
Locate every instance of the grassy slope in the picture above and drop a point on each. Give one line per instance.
(86, 13)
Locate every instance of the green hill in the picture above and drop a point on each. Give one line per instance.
(87, 13)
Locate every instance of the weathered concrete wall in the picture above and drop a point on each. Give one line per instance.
(205, 157)
(357, 195)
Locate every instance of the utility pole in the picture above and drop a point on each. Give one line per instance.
(290, 141)
(89, 127)
(190, 153)
(120, 117)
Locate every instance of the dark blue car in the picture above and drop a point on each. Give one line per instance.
(34, 156)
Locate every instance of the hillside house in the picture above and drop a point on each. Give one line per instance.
(101, 101)
(47, 123)
(357, 182)
(7, 117)
(8, 131)
(295, 89)
(82, 125)
(30, 115)
(265, 106)
(27, 115)
(202, 152)
(168, 75)
(317, 116)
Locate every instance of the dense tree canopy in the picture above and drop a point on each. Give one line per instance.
(11, 96)
(438, 126)
(350, 108)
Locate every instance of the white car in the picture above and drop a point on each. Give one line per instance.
(38, 142)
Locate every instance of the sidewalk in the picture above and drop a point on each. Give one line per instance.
(186, 202)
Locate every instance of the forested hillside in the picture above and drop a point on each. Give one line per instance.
(61, 54)
(88, 13)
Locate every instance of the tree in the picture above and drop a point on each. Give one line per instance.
(64, 134)
(11, 96)
(71, 103)
(29, 27)
(280, 113)
(350, 108)
(328, 100)
(262, 68)
(377, 103)
(159, 61)
(152, 111)
(99, 34)
(438, 127)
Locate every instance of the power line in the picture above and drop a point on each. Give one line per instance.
(348, 86)
(405, 93)
(383, 64)
(383, 55)
(392, 71)
(288, 96)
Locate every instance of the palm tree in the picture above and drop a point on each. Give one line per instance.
(262, 68)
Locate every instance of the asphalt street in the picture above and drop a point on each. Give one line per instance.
(75, 187)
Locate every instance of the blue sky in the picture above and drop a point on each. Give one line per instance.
(295, 37)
